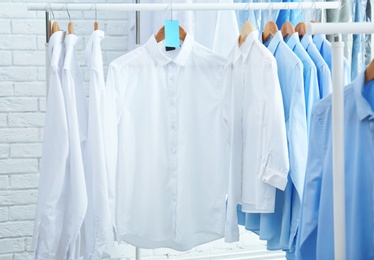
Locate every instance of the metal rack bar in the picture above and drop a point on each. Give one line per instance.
(184, 7)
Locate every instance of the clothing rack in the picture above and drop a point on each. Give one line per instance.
(49, 7)
(338, 121)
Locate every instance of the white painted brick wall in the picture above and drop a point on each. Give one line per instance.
(22, 114)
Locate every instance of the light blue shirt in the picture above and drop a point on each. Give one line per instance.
(323, 71)
(324, 48)
(290, 72)
(311, 89)
(316, 224)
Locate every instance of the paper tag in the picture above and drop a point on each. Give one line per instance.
(172, 33)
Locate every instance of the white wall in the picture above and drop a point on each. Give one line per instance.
(22, 112)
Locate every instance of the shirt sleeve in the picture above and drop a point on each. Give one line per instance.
(274, 162)
(297, 132)
(49, 220)
(311, 92)
(307, 239)
(110, 116)
(234, 180)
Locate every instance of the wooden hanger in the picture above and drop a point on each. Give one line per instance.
(247, 28)
(70, 28)
(160, 35)
(270, 29)
(369, 72)
(301, 29)
(55, 27)
(287, 29)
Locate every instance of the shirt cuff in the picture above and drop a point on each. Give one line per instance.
(275, 178)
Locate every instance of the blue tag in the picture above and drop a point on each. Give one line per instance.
(172, 33)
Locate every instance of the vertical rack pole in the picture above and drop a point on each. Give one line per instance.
(47, 34)
(137, 42)
(137, 26)
(338, 148)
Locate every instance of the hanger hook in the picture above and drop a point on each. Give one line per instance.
(95, 13)
(314, 10)
(66, 6)
(171, 11)
(50, 8)
(271, 8)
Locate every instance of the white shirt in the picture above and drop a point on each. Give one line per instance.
(259, 157)
(62, 193)
(97, 222)
(173, 134)
(50, 212)
(76, 111)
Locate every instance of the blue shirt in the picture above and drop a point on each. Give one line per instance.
(290, 73)
(316, 224)
(324, 48)
(323, 71)
(311, 89)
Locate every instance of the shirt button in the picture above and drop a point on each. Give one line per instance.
(173, 126)
(172, 103)
(174, 151)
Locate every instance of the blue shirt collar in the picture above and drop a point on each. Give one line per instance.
(318, 40)
(306, 41)
(362, 105)
(274, 42)
(293, 40)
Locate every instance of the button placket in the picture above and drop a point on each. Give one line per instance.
(172, 71)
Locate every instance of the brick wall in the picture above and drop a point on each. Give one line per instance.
(22, 113)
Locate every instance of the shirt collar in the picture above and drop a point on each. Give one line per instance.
(161, 59)
(56, 39)
(293, 40)
(71, 39)
(274, 43)
(247, 45)
(306, 41)
(96, 35)
(318, 39)
(362, 105)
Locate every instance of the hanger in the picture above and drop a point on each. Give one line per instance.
(270, 29)
(55, 26)
(160, 35)
(369, 72)
(247, 28)
(301, 29)
(70, 24)
(287, 29)
(96, 24)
